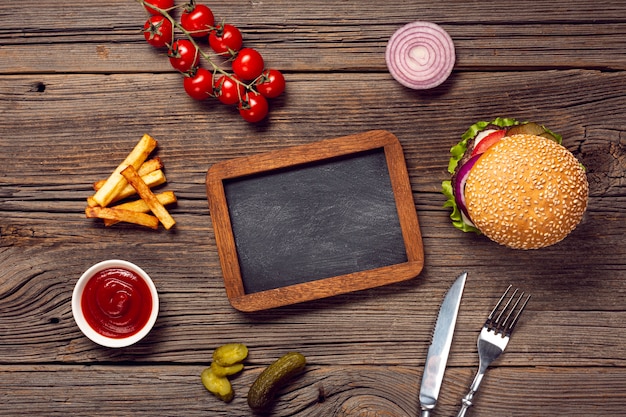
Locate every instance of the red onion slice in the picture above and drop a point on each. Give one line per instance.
(459, 185)
(420, 55)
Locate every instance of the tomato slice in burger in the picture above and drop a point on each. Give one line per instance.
(488, 141)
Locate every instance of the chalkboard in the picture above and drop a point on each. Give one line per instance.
(315, 220)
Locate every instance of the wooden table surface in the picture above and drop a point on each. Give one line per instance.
(78, 88)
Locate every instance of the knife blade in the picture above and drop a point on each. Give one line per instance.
(440, 346)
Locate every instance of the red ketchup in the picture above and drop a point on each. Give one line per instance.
(116, 302)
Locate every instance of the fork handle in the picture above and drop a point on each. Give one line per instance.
(466, 402)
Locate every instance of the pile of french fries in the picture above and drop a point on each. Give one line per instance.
(136, 175)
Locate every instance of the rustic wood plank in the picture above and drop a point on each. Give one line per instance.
(320, 390)
(74, 113)
(195, 316)
(78, 87)
(485, 48)
(353, 37)
(120, 15)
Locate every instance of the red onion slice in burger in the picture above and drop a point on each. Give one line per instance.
(420, 55)
(459, 185)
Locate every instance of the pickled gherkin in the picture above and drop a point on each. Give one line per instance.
(220, 370)
(230, 354)
(217, 385)
(227, 361)
(529, 128)
(263, 390)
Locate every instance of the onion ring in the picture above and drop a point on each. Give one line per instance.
(420, 55)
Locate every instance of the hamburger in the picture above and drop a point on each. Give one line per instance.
(516, 184)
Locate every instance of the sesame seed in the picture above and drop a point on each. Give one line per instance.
(526, 192)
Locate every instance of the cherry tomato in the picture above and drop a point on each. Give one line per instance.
(199, 85)
(161, 4)
(271, 84)
(488, 141)
(198, 20)
(253, 108)
(183, 55)
(228, 90)
(158, 31)
(248, 64)
(225, 39)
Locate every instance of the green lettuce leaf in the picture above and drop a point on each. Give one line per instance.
(455, 216)
(559, 138)
(457, 152)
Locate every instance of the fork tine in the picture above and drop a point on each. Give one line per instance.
(503, 324)
(514, 322)
(490, 317)
(494, 324)
(499, 323)
(507, 311)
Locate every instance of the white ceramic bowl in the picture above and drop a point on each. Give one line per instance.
(82, 322)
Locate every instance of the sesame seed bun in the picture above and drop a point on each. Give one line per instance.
(526, 192)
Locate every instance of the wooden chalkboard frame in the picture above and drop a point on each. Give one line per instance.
(291, 158)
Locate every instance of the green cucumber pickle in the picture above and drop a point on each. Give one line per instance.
(273, 378)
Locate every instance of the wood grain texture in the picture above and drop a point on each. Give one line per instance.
(104, 390)
(79, 87)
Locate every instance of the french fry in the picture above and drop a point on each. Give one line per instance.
(142, 219)
(116, 182)
(135, 175)
(165, 198)
(146, 194)
(147, 167)
(152, 180)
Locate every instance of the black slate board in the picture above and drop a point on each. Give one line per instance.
(315, 221)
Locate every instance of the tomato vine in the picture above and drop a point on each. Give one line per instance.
(246, 84)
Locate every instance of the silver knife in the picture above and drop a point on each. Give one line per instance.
(440, 346)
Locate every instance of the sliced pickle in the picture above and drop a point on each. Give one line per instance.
(549, 136)
(219, 370)
(217, 385)
(230, 354)
(227, 361)
(529, 128)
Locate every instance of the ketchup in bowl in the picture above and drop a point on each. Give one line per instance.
(115, 303)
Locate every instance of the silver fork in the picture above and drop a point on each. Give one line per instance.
(493, 338)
